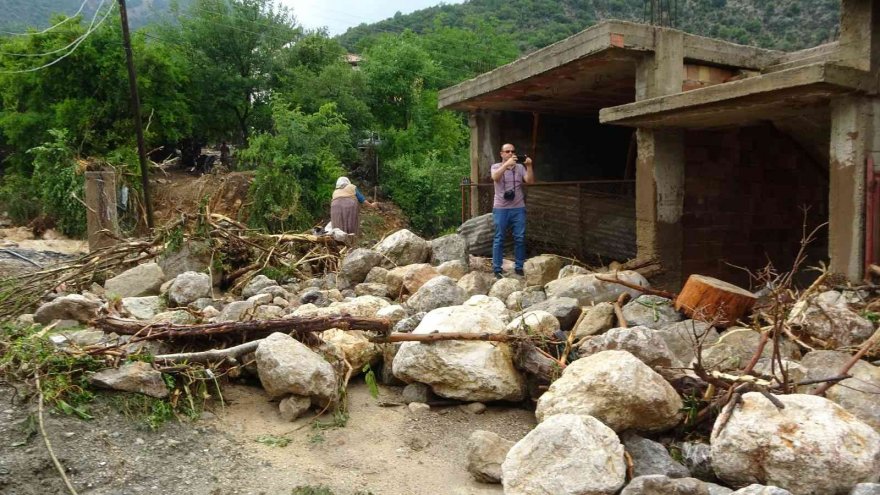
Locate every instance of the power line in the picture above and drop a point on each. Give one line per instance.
(82, 38)
(53, 26)
(78, 39)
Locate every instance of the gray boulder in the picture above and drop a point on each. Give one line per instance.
(828, 318)
(650, 457)
(142, 280)
(542, 269)
(454, 269)
(858, 394)
(650, 311)
(567, 454)
(286, 366)
(137, 377)
(143, 308)
(188, 287)
(757, 489)
(599, 318)
(565, 309)
(452, 247)
(642, 342)
(293, 407)
(402, 248)
(866, 489)
(522, 299)
(358, 263)
(590, 289)
(71, 307)
(476, 283)
(504, 288)
(486, 452)
(257, 284)
(658, 484)
(436, 293)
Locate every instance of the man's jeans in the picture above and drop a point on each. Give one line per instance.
(514, 218)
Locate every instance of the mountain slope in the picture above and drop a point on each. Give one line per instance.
(778, 24)
(21, 14)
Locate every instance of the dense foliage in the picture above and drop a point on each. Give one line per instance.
(778, 24)
(243, 71)
(19, 15)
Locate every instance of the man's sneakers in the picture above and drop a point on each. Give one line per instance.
(498, 275)
(520, 272)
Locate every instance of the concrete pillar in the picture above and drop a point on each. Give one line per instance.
(860, 34)
(101, 214)
(485, 144)
(660, 162)
(852, 138)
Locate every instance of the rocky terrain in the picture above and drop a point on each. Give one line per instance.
(563, 387)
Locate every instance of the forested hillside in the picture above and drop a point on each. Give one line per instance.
(778, 24)
(21, 14)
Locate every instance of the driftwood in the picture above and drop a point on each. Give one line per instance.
(709, 299)
(246, 329)
(210, 356)
(530, 360)
(618, 310)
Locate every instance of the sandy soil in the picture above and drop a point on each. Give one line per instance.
(383, 450)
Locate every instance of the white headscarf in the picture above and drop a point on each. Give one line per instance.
(342, 182)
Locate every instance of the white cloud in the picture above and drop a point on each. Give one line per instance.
(339, 15)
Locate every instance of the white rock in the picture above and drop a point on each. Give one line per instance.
(795, 448)
(142, 280)
(539, 323)
(617, 389)
(142, 308)
(566, 455)
(189, 286)
(286, 366)
(486, 452)
(403, 248)
(589, 289)
(464, 370)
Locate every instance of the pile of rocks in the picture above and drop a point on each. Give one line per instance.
(613, 399)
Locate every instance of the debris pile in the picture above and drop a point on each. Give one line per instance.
(635, 389)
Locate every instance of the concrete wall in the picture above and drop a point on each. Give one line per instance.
(744, 189)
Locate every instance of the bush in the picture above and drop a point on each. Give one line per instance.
(18, 198)
(59, 184)
(297, 166)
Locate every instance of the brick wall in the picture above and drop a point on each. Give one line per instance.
(744, 190)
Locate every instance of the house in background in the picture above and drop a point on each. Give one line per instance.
(708, 155)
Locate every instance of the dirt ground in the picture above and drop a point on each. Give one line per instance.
(382, 450)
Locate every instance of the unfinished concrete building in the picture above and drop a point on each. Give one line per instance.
(651, 142)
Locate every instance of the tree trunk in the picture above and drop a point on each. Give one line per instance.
(714, 301)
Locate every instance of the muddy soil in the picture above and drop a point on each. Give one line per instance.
(382, 450)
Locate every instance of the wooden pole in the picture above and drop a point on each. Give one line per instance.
(136, 108)
(101, 209)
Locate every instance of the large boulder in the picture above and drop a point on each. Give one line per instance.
(540, 324)
(737, 346)
(142, 280)
(358, 263)
(827, 317)
(658, 484)
(685, 337)
(256, 284)
(456, 369)
(361, 306)
(650, 311)
(71, 307)
(287, 366)
(478, 233)
(491, 304)
(137, 377)
(143, 308)
(436, 293)
(858, 394)
(617, 389)
(651, 458)
(486, 452)
(590, 289)
(476, 283)
(598, 319)
(811, 447)
(565, 309)
(542, 269)
(402, 248)
(452, 247)
(355, 346)
(189, 286)
(408, 279)
(522, 299)
(642, 342)
(504, 288)
(453, 269)
(566, 455)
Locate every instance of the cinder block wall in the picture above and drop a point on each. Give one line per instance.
(744, 190)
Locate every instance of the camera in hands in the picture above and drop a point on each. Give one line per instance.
(521, 158)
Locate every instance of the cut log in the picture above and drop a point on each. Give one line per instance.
(714, 301)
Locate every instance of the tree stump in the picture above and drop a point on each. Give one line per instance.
(714, 301)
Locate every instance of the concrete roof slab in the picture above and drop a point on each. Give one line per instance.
(768, 96)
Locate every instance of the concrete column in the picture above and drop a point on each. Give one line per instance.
(660, 162)
(101, 214)
(860, 34)
(852, 138)
(485, 143)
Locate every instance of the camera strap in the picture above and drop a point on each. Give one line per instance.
(504, 176)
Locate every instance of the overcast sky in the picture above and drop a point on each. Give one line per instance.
(339, 15)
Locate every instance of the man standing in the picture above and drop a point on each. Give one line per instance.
(509, 206)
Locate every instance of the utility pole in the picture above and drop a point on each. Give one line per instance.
(136, 107)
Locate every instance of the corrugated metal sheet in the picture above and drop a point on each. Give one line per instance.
(584, 221)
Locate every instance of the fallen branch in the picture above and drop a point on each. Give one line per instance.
(213, 355)
(246, 329)
(55, 460)
(618, 310)
(644, 290)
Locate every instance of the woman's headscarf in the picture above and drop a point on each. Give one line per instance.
(342, 182)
